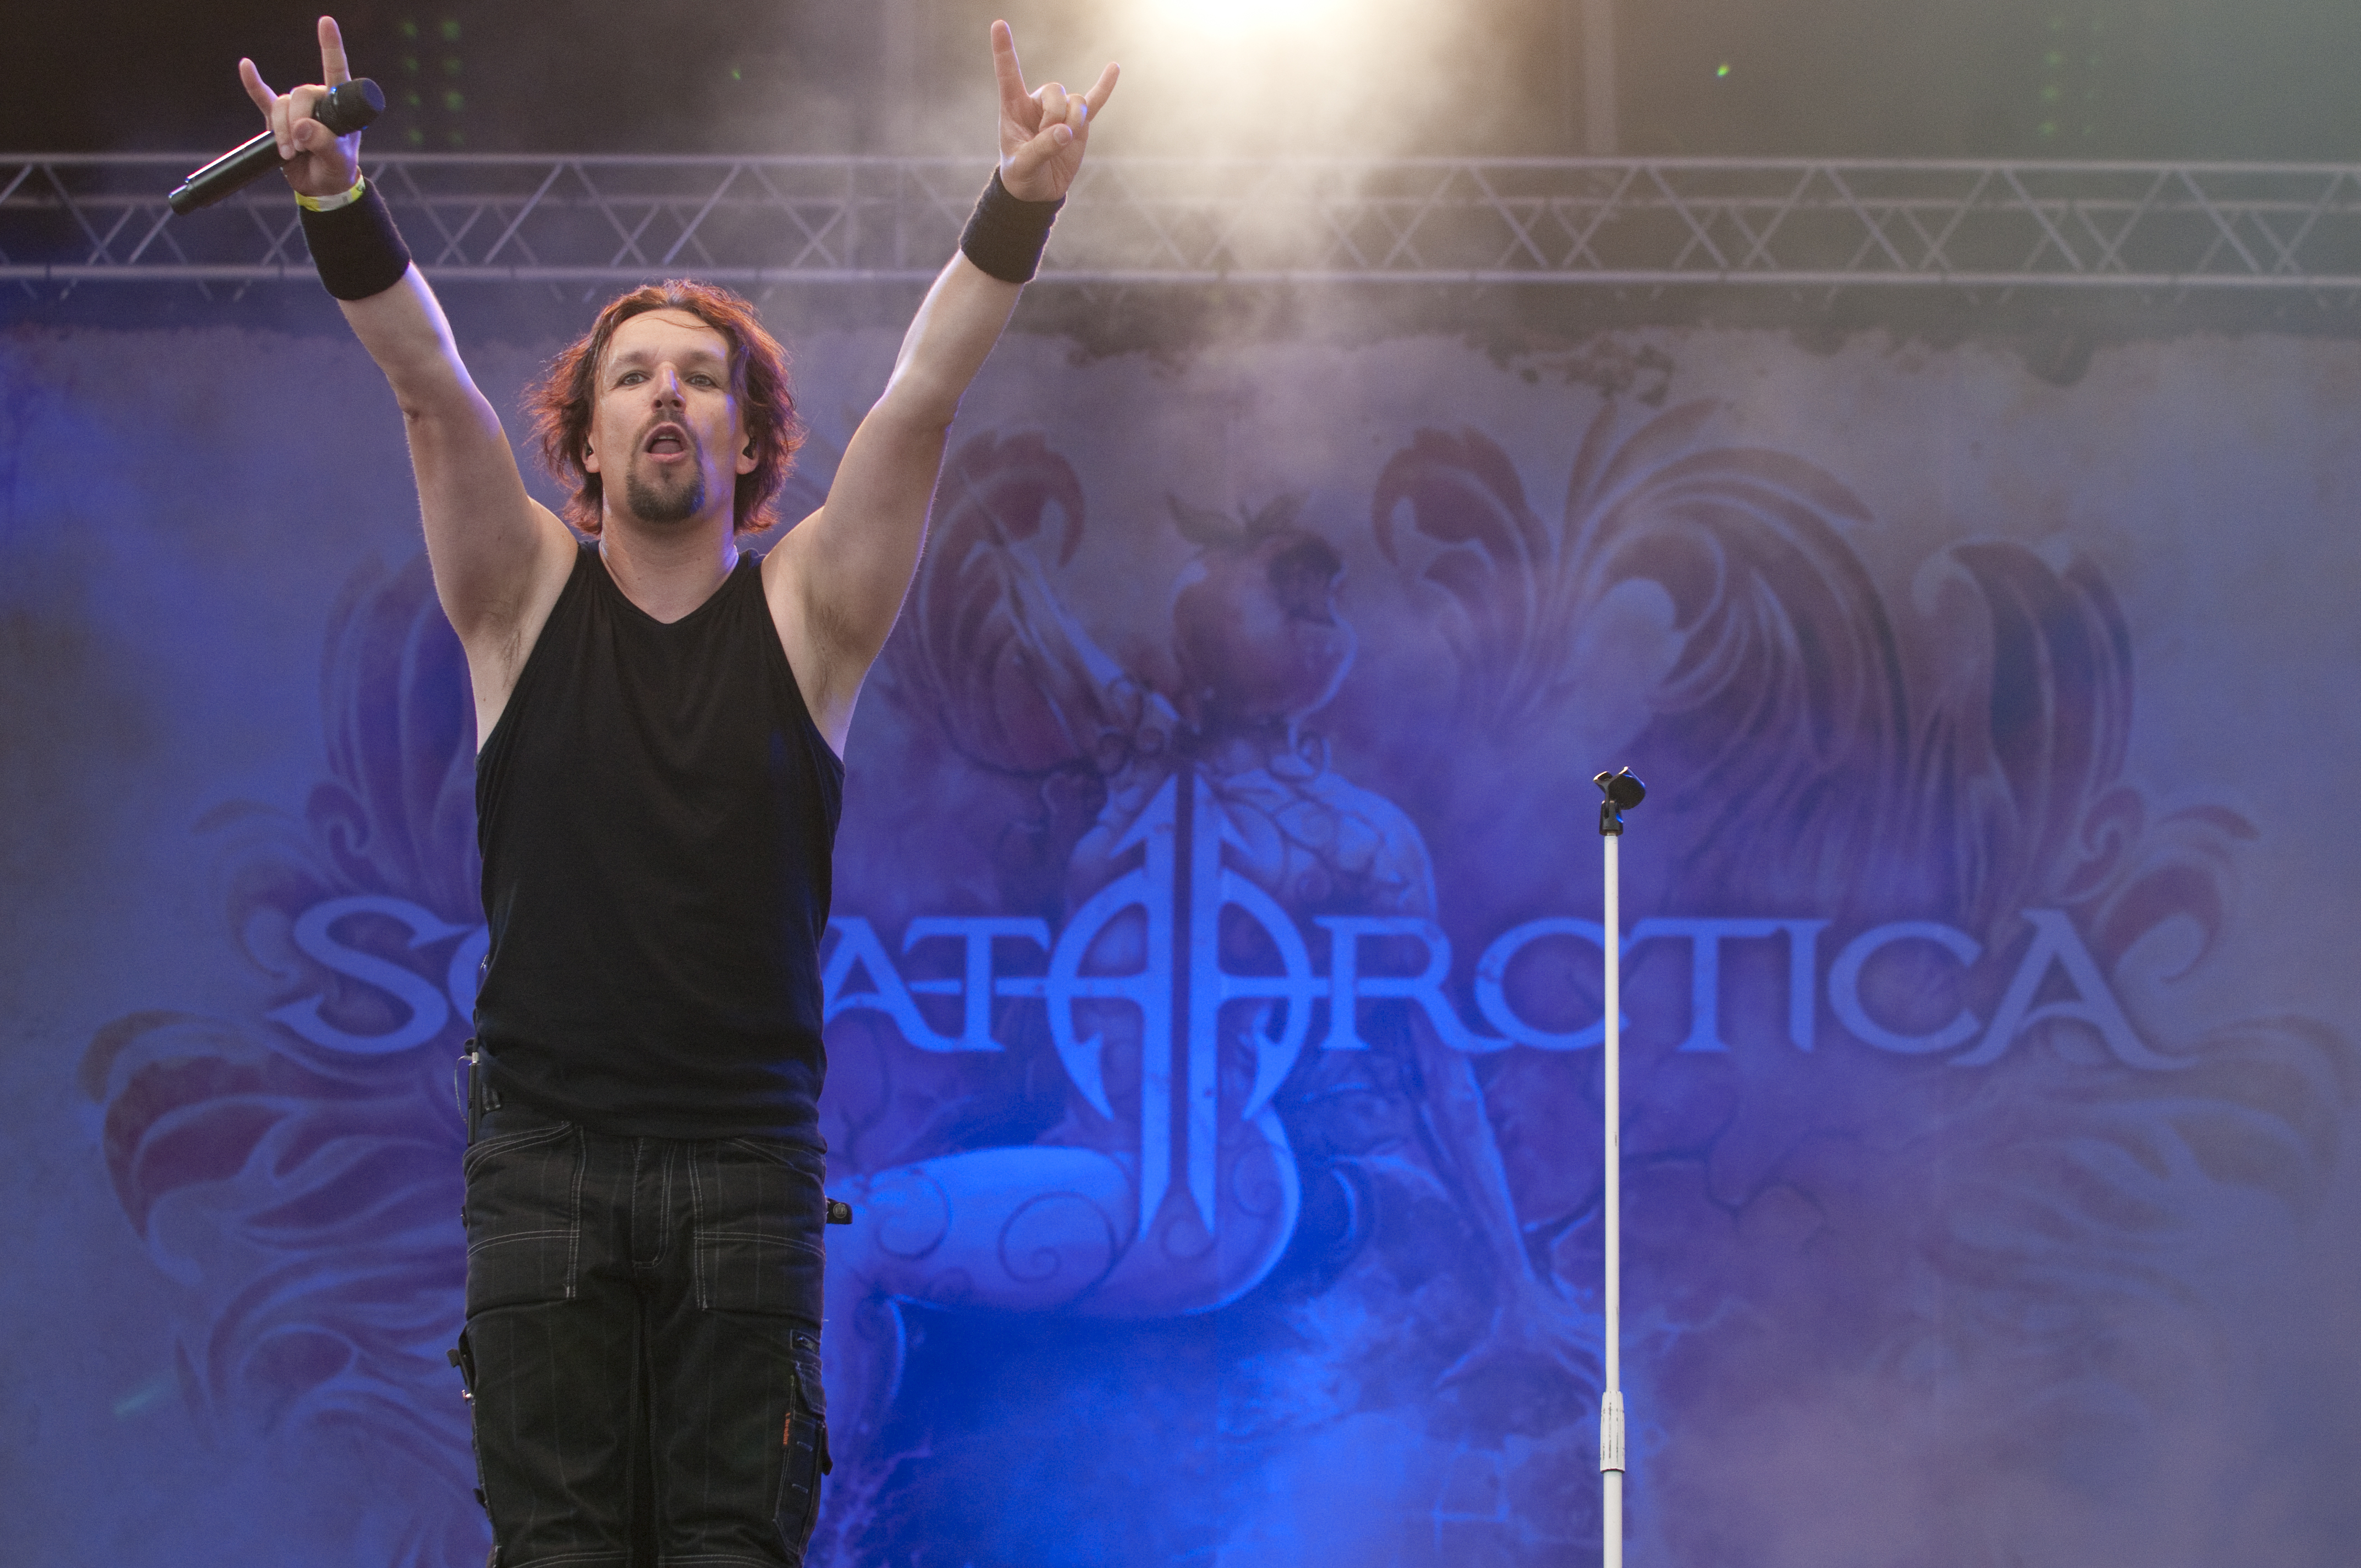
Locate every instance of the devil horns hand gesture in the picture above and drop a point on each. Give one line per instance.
(318, 161)
(1042, 133)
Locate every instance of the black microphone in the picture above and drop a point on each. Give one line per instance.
(348, 106)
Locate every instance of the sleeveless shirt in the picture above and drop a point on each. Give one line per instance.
(656, 812)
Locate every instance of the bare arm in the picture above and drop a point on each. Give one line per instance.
(836, 581)
(500, 557)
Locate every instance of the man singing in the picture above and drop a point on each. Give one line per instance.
(659, 723)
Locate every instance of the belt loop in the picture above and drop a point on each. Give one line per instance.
(463, 1087)
(471, 1085)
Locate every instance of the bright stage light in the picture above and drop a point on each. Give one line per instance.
(1265, 78)
(1237, 18)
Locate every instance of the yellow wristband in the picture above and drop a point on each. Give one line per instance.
(330, 204)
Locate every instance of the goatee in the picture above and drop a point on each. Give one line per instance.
(674, 504)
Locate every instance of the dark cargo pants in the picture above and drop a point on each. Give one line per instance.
(643, 1345)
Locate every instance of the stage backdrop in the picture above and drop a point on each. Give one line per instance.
(1213, 973)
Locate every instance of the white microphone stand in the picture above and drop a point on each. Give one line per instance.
(1622, 791)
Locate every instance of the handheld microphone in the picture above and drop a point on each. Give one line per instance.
(348, 106)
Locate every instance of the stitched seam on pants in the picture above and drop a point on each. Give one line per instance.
(574, 1217)
(563, 1557)
(663, 1196)
(515, 1236)
(477, 1153)
(700, 1252)
(766, 1239)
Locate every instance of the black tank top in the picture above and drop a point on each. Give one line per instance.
(657, 811)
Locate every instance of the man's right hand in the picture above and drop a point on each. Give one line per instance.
(500, 557)
(318, 162)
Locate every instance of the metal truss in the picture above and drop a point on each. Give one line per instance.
(760, 223)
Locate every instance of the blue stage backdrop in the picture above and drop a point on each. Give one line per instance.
(1213, 975)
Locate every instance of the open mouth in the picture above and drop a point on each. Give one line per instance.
(667, 441)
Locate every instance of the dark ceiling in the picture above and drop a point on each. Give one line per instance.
(2229, 78)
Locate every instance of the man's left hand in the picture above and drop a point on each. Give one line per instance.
(1042, 133)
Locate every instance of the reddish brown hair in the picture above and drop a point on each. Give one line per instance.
(562, 402)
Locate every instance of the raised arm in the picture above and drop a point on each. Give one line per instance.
(500, 557)
(837, 581)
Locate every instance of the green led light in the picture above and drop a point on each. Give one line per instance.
(1722, 69)
(453, 101)
(450, 31)
(409, 31)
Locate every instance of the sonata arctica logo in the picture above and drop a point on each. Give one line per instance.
(1149, 941)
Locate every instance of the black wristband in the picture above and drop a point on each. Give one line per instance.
(1005, 235)
(356, 248)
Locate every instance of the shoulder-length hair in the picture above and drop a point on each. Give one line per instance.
(561, 402)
